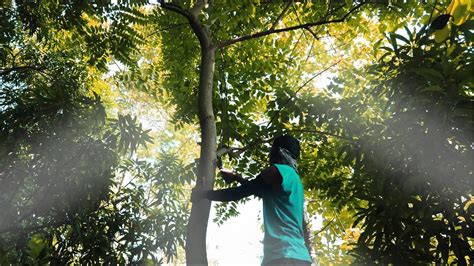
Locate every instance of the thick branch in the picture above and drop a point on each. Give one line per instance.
(175, 8)
(301, 26)
(201, 33)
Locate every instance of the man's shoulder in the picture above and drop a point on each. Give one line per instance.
(285, 169)
(271, 175)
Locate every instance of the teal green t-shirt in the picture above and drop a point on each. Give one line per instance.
(283, 219)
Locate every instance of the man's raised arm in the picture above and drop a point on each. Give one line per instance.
(268, 178)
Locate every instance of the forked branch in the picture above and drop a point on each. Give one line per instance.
(192, 17)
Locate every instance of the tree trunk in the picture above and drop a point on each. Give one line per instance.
(197, 225)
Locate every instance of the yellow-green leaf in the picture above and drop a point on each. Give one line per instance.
(441, 35)
(452, 6)
(36, 244)
(460, 10)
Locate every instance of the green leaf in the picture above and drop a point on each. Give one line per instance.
(432, 88)
(429, 74)
(400, 37)
(36, 245)
(442, 34)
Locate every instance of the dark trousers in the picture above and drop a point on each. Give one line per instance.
(289, 262)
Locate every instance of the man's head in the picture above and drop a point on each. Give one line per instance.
(287, 142)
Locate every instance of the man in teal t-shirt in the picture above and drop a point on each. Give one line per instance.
(286, 240)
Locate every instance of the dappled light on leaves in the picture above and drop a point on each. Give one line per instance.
(103, 130)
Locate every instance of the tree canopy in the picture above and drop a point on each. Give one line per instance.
(111, 112)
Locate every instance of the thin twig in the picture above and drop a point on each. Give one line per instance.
(432, 11)
(302, 86)
(309, 52)
(296, 44)
(238, 150)
(167, 28)
(324, 228)
(328, 11)
(343, 228)
(299, 21)
(312, 32)
(280, 17)
(322, 133)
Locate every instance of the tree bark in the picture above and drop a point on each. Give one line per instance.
(197, 225)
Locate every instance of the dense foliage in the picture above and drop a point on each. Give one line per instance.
(72, 188)
(420, 159)
(409, 175)
(379, 92)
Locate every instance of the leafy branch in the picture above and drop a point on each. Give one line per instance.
(300, 26)
(238, 150)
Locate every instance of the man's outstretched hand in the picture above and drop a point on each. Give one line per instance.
(198, 194)
(230, 176)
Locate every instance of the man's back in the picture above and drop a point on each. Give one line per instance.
(283, 218)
